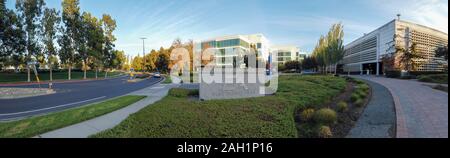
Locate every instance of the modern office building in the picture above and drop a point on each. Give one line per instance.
(302, 55)
(366, 52)
(232, 49)
(287, 53)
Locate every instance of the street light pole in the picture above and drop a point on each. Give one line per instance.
(143, 52)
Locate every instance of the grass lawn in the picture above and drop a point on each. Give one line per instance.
(45, 76)
(31, 127)
(180, 116)
(168, 79)
(434, 78)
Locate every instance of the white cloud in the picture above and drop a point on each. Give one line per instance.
(432, 13)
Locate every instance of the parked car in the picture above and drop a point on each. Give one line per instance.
(157, 75)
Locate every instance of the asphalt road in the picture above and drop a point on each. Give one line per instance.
(69, 95)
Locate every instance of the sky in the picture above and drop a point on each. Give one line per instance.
(294, 22)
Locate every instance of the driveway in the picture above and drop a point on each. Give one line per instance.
(422, 112)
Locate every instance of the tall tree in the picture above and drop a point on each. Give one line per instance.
(70, 35)
(136, 63)
(51, 23)
(31, 12)
(320, 54)
(309, 63)
(92, 48)
(109, 25)
(12, 38)
(120, 60)
(163, 62)
(330, 48)
(336, 45)
(151, 59)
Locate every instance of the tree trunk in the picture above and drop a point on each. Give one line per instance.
(51, 74)
(106, 73)
(70, 72)
(28, 72)
(84, 67)
(96, 73)
(335, 69)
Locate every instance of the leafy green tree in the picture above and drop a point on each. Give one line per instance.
(136, 63)
(442, 51)
(93, 34)
(320, 54)
(163, 61)
(31, 12)
(70, 34)
(12, 38)
(109, 25)
(335, 47)
(51, 23)
(408, 57)
(309, 63)
(293, 65)
(119, 60)
(330, 49)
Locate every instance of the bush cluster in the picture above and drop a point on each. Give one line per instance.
(342, 106)
(324, 132)
(359, 103)
(307, 114)
(325, 116)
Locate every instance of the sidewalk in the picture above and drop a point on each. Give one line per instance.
(93, 126)
(422, 112)
(378, 119)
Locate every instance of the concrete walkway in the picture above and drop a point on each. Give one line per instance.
(378, 119)
(422, 112)
(96, 125)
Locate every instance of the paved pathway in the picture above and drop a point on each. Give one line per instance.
(93, 126)
(378, 119)
(422, 112)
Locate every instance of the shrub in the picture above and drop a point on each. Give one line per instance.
(342, 106)
(179, 93)
(142, 76)
(355, 96)
(359, 82)
(325, 116)
(434, 78)
(306, 115)
(359, 103)
(325, 132)
(425, 79)
(393, 74)
(364, 87)
(361, 93)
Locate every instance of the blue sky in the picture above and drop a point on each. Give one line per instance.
(297, 22)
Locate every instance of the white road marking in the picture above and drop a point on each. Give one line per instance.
(59, 106)
(157, 88)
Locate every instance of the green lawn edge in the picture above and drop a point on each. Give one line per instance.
(34, 126)
(179, 116)
(167, 79)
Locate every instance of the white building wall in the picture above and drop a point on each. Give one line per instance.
(384, 41)
(286, 48)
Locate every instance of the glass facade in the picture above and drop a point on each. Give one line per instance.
(282, 54)
(225, 43)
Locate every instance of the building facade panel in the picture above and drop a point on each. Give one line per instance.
(366, 52)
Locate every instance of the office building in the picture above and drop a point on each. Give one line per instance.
(366, 52)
